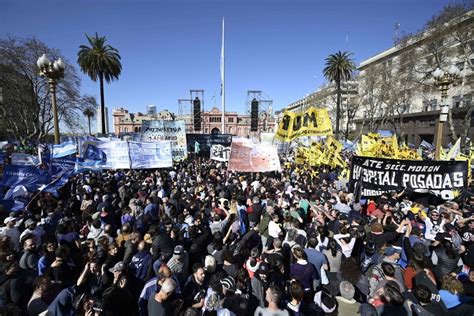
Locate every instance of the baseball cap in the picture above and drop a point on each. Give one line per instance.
(9, 219)
(228, 283)
(118, 267)
(254, 253)
(263, 268)
(389, 251)
(178, 250)
(30, 222)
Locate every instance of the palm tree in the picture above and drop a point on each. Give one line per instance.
(100, 61)
(338, 68)
(89, 113)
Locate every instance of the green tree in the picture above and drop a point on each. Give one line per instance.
(100, 61)
(339, 67)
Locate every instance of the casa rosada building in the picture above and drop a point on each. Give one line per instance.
(211, 122)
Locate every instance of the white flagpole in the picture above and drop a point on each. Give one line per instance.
(223, 79)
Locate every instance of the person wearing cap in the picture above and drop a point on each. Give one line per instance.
(434, 224)
(31, 228)
(390, 255)
(273, 296)
(261, 281)
(11, 231)
(179, 263)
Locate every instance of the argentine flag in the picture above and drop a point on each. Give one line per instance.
(64, 149)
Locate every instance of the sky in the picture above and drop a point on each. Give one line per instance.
(170, 47)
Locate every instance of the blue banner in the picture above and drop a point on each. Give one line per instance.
(94, 153)
(29, 176)
(54, 186)
(60, 165)
(88, 165)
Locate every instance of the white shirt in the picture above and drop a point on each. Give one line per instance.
(346, 248)
(432, 229)
(273, 229)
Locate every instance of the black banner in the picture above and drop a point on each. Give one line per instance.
(206, 141)
(374, 176)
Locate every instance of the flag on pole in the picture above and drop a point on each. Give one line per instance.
(223, 79)
(222, 59)
(455, 150)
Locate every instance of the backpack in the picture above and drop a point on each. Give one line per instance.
(379, 276)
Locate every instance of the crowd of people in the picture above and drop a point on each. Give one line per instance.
(198, 239)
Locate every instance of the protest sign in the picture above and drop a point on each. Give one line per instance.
(173, 131)
(445, 179)
(63, 164)
(206, 141)
(247, 156)
(151, 155)
(312, 122)
(31, 177)
(116, 153)
(220, 153)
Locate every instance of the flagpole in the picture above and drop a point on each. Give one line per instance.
(223, 79)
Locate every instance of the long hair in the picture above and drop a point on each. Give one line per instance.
(350, 270)
(451, 284)
(333, 246)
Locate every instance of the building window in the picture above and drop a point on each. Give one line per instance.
(215, 119)
(230, 120)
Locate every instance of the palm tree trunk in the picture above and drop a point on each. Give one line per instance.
(338, 106)
(89, 121)
(102, 103)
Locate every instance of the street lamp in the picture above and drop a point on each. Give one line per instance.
(53, 71)
(443, 80)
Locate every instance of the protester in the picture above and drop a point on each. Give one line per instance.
(200, 239)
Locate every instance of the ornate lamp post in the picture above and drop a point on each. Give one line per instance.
(53, 71)
(443, 80)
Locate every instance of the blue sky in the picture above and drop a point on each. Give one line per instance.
(170, 47)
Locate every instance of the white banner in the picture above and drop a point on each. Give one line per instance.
(173, 131)
(151, 155)
(220, 153)
(267, 138)
(247, 156)
(117, 154)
